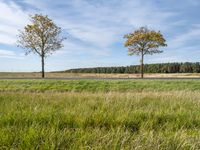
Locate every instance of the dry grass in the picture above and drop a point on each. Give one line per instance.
(90, 75)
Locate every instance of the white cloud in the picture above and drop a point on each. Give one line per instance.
(183, 39)
(12, 18)
(6, 53)
(73, 48)
(9, 54)
(99, 24)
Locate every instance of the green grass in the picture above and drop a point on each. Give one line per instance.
(98, 86)
(100, 114)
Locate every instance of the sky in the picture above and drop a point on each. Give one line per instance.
(95, 30)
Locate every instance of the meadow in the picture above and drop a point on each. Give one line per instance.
(100, 114)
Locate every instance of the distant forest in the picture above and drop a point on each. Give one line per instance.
(186, 67)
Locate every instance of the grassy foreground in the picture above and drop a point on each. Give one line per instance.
(100, 114)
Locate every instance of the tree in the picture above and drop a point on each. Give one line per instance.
(41, 37)
(144, 42)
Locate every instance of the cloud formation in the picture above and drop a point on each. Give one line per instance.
(12, 18)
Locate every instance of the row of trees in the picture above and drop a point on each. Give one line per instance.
(43, 37)
(148, 68)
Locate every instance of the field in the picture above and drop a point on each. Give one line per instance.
(90, 114)
(95, 75)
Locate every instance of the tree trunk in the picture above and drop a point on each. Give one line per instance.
(43, 67)
(142, 66)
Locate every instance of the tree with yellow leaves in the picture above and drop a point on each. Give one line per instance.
(144, 42)
(41, 37)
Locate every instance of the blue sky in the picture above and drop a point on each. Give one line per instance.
(95, 30)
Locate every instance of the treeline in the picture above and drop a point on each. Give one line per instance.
(149, 68)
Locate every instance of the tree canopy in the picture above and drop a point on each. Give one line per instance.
(42, 36)
(144, 41)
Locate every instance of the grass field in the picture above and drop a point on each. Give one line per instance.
(85, 114)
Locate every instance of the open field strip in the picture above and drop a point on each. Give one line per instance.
(96, 75)
(98, 85)
(100, 114)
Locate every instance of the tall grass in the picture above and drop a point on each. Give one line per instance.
(100, 120)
